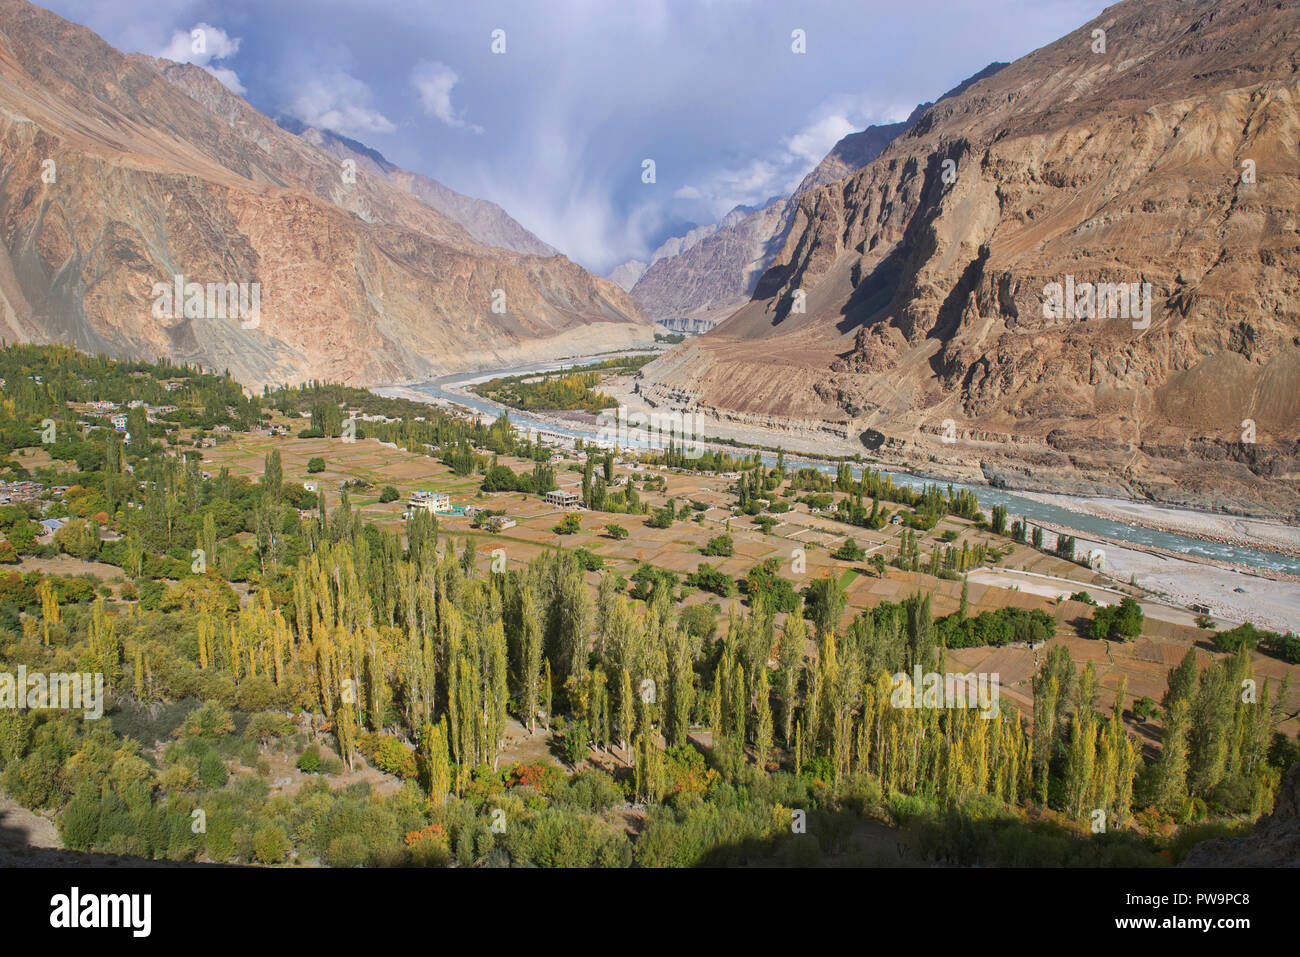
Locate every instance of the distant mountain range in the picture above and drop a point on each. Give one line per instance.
(712, 270)
(121, 173)
(917, 307)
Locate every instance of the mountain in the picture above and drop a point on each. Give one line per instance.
(119, 173)
(713, 270)
(710, 276)
(487, 222)
(625, 275)
(914, 304)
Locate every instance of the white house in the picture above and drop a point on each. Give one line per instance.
(429, 501)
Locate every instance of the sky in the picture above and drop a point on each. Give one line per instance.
(551, 108)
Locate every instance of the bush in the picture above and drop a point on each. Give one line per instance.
(1145, 708)
(329, 764)
(348, 850)
(1232, 640)
(314, 465)
(1122, 622)
(850, 551)
(79, 823)
(721, 546)
(309, 760)
(575, 742)
(711, 579)
(616, 532)
(210, 722)
(266, 725)
(389, 494)
(254, 693)
(660, 518)
(212, 771)
(388, 754)
(270, 844)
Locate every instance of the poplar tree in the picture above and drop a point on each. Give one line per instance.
(790, 656)
(763, 721)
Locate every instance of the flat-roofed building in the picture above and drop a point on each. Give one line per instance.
(563, 498)
(430, 501)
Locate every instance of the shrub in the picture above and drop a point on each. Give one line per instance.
(389, 494)
(721, 546)
(711, 579)
(79, 823)
(314, 465)
(270, 844)
(1232, 640)
(660, 518)
(1122, 622)
(266, 725)
(212, 771)
(309, 760)
(850, 551)
(210, 721)
(575, 742)
(388, 754)
(347, 850)
(1145, 708)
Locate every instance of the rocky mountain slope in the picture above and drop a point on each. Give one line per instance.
(713, 270)
(487, 222)
(709, 278)
(625, 275)
(118, 173)
(917, 305)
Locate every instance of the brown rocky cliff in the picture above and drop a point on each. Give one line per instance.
(922, 293)
(160, 171)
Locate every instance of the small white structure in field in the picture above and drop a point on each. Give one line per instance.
(430, 501)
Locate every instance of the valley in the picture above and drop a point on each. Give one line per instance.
(1194, 557)
(778, 475)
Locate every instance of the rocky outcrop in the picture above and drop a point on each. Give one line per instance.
(920, 290)
(118, 173)
(625, 275)
(686, 325)
(1274, 842)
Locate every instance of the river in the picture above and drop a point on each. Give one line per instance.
(451, 388)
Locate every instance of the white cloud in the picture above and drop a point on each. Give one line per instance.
(433, 81)
(783, 167)
(339, 102)
(814, 141)
(202, 44)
